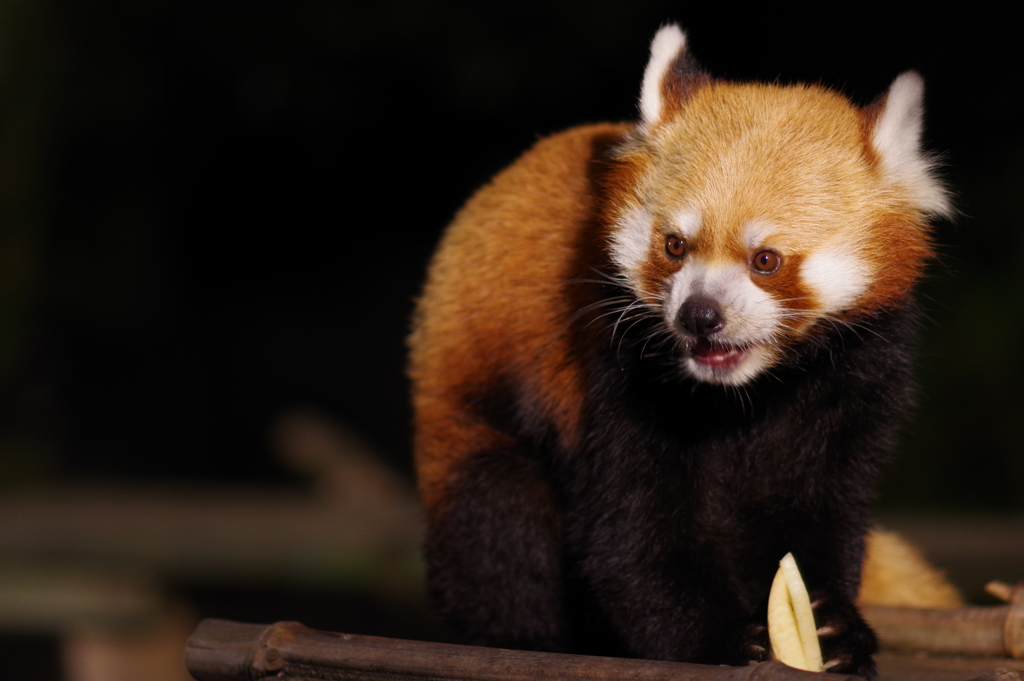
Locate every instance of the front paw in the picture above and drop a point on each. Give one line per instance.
(847, 642)
(756, 645)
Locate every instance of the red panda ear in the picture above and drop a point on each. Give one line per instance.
(896, 122)
(671, 76)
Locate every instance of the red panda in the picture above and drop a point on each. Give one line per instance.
(650, 359)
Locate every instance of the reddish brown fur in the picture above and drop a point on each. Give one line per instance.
(687, 78)
(899, 248)
(658, 266)
(498, 307)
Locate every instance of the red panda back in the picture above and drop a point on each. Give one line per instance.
(495, 301)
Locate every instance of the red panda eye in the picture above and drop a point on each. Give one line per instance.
(767, 262)
(675, 246)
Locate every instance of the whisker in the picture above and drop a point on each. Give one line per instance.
(597, 305)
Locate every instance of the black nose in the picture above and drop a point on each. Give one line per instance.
(700, 316)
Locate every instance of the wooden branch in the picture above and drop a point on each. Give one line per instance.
(288, 651)
(976, 632)
(994, 631)
(230, 651)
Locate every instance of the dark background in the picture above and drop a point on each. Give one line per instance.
(215, 212)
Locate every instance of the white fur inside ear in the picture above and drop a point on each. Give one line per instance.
(665, 47)
(837, 277)
(897, 139)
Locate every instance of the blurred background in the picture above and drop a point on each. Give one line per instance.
(215, 217)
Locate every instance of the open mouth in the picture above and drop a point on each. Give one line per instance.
(717, 355)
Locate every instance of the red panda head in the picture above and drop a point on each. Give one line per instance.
(749, 216)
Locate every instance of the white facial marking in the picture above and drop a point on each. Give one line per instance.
(685, 282)
(665, 46)
(838, 278)
(631, 242)
(756, 232)
(687, 223)
(750, 314)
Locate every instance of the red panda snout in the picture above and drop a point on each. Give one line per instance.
(726, 325)
(700, 316)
